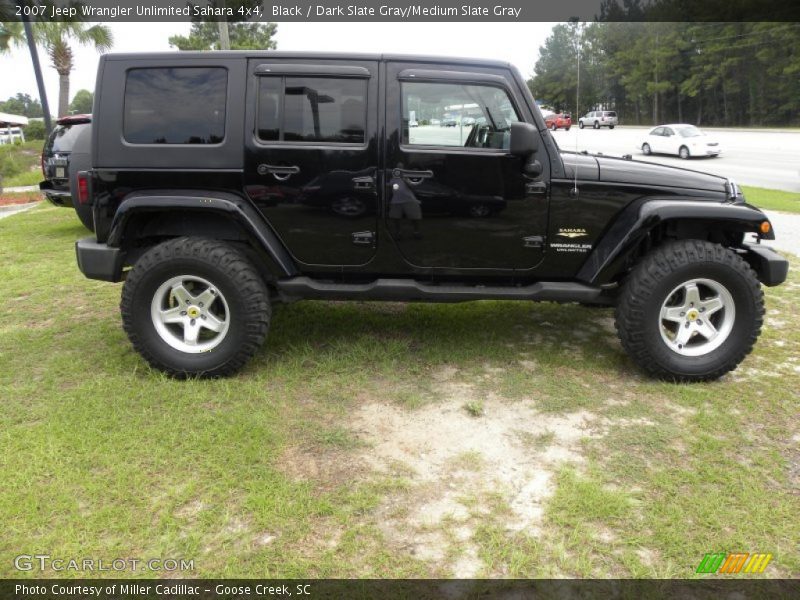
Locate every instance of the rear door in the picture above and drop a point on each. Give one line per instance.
(669, 141)
(656, 139)
(312, 156)
(456, 198)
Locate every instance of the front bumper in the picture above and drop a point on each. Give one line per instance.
(99, 261)
(770, 266)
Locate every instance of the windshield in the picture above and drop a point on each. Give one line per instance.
(690, 131)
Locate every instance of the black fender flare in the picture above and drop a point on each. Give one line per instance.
(639, 218)
(232, 206)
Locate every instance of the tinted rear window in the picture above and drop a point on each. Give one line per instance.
(63, 137)
(610, 114)
(183, 105)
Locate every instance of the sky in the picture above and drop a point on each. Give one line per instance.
(517, 43)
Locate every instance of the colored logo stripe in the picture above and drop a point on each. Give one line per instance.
(711, 562)
(734, 562)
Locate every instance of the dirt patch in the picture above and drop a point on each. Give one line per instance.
(12, 199)
(455, 460)
(327, 469)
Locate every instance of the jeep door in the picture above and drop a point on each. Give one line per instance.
(455, 197)
(311, 155)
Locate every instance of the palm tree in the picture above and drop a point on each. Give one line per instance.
(55, 37)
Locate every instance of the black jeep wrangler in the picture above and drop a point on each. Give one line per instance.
(223, 183)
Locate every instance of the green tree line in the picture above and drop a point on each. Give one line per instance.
(730, 74)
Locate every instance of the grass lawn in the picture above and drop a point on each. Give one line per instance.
(772, 199)
(30, 177)
(488, 439)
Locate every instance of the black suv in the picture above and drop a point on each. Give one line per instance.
(65, 152)
(223, 183)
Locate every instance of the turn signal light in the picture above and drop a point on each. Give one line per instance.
(764, 227)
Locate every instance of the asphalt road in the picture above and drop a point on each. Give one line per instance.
(769, 159)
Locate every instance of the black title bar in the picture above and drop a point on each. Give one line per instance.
(400, 10)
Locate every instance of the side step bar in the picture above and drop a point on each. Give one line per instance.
(305, 288)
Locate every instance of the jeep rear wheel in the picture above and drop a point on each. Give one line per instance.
(85, 215)
(195, 307)
(690, 311)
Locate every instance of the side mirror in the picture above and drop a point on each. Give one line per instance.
(524, 139)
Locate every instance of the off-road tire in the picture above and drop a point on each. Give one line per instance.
(638, 320)
(235, 278)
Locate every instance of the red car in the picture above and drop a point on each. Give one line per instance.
(558, 120)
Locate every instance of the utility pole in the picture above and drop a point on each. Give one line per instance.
(37, 69)
(224, 37)
(655, 102)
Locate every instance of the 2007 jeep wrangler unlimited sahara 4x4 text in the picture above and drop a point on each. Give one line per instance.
(222, 183)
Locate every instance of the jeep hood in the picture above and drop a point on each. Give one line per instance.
(620, 170)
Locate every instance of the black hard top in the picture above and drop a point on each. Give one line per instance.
(279, 54)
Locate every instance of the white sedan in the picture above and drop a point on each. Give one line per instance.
(684, 140)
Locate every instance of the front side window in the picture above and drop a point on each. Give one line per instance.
(448, 114)
(184, 105)
(312, 109)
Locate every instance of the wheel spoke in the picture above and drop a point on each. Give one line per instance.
(707, 330)
(684, 334)
(676, 314)
(692, 295)
(206, 298)
(711, 306)
(191, 333)
(211, 322)
(181, 294)
(173, 315)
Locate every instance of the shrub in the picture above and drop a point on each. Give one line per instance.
(35, 130)
(10, 161)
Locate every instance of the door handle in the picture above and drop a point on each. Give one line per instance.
(279, 172)
(536, 188)
(414, 177)
(363, 183)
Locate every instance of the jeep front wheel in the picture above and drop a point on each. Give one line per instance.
(690, 311)
(195, 307)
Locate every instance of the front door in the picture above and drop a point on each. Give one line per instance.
(312, 156)
(455, 197)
